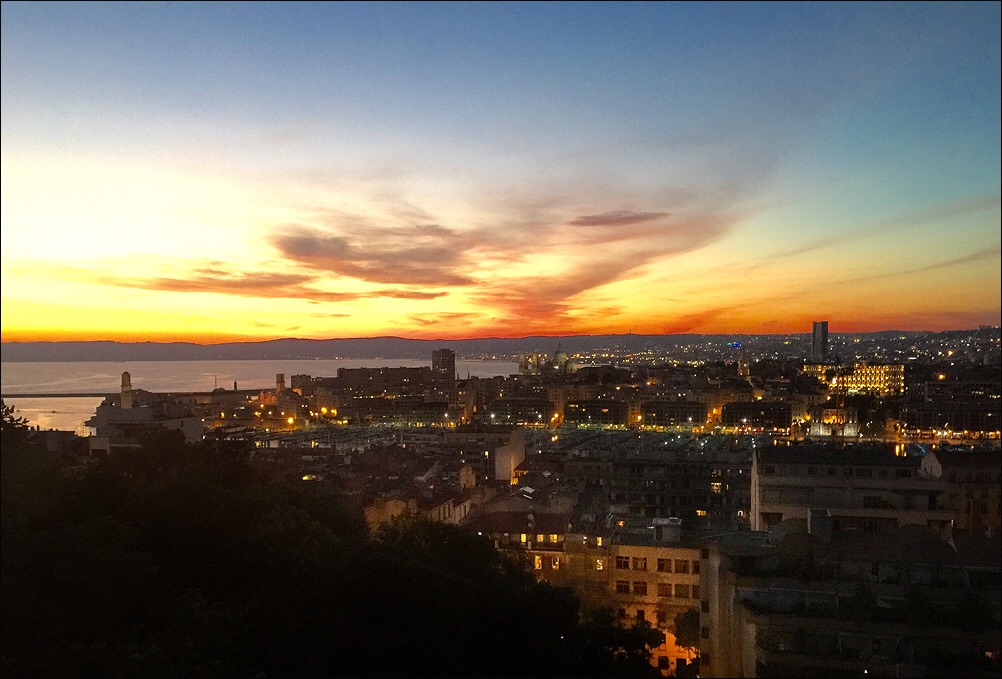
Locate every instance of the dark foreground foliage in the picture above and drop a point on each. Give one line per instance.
(178, 560)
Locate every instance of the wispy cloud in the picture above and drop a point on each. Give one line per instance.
(214, 278)
(617, 218)
(970, 258)
(422, 255)
(913, 219)
(264, 285)
(694, 322)
(526, 263)
(453, 318)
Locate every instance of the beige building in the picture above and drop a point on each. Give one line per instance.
(868, 488)
(121, 420)
(447, 507)
(973, 486)
(790, 604)
(636, 579)
(654, 583)
(633, 576)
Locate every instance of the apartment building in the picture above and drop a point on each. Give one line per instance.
(867, 488)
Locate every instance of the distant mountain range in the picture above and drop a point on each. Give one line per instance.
(372, 347)
(358, 348)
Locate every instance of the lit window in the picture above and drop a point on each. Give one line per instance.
(716, 487)
(599, 564)
(553, 537)
(598, 541)
(524, 537)
(538, 561)
(555, 564)
(700, 512)
(540, 538)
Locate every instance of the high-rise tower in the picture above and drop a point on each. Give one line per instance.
(443, 364)
(819, 342)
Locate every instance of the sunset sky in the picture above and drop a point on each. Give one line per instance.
(250, 171)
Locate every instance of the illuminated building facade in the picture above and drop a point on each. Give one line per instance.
(881, 380)
(832, 419)
(637, 577)
(864, 378)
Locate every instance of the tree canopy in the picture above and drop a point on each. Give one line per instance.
(687, 630)
(179, 560)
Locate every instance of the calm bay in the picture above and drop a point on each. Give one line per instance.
(171, 376)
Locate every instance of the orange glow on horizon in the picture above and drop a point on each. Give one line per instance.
(124, 336)
(203, 271)
(791, 327)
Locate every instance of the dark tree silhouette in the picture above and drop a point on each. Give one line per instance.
(687, 630)
(175, 560)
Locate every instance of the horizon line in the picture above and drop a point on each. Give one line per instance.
(223, 342)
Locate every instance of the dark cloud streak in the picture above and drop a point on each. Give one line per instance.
(618, 218)
(425, 256)
(265, 285)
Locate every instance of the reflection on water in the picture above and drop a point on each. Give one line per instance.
(160, 376)
(57, 413)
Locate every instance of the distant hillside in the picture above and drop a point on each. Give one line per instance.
(398, 347)
(360, 348)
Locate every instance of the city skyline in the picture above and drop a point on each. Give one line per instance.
(244, 172)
